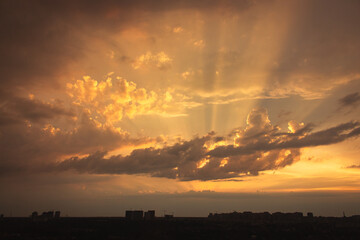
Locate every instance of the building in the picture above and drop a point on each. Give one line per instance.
(57, 214)
(258, 218)
(149, 215)
(45, 216)
(168, 216)
(34, 215)
(134, 214)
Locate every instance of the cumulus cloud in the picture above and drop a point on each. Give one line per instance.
(258, 147)
(111, 100)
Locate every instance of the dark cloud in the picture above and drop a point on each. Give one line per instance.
(329, 136)
(16, 110)
(259, 147)
(37, 46)
(157, 162)
(27, 147)
(354, 166)
(351, 100)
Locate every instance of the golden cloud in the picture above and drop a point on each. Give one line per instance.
(160, 60)
(111, 100)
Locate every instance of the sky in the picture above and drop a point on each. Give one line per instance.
(185, 107)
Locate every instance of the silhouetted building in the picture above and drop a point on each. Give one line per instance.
(287, 217)
(45, 216)
(257, 218)
(168, 216)
(57, 214)
(134, 215)
(149, 215)
(50, 214)
(309, 215)
(128, 214)
(34, 215)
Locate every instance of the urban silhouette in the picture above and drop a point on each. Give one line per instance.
(138, 224)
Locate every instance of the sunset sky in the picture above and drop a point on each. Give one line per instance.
(181, 106)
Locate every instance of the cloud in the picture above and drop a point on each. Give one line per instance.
(111, 100)
(326, 137)
(354, 166)
(26, 146)
(18, 110)
(258, 147)
(177, 29)
(351, 100)
(35, 133)
(199, 44)
(45, 41)
(160, 61)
